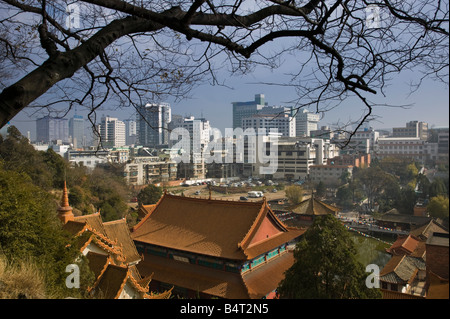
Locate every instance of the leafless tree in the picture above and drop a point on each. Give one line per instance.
(138, 50)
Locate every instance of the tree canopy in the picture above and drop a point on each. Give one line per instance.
(325, 265)
(137, 51)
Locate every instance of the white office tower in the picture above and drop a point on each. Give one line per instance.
(112, 132)
(306, 122)
(281, 123)
(152, 123)
(194, 136)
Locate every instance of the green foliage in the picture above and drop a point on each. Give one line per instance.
(406, 201)
(294, 193)
(321, 189)
(30, 230)
(344, 197)
(439, 207)
(325, 265)
(149, 195)
(437, 187)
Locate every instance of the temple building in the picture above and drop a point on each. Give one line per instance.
(207, 248)
(311, 208)
(111, 253)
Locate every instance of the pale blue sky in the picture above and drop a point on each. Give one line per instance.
(429, 104)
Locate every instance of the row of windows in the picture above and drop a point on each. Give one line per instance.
(401, 147)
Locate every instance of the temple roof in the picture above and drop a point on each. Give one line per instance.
(425, 231)
(407, 245)
(118, 231)
(254, 284)
(314, 207)
(226, 229)
(401, 269)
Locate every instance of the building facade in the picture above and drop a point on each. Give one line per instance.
(212, 248)
(76, 131)
(112, 132)
(401, 147)
(330, 175)
(292, 157)
(281, 123)
(143, 170)
(247, 109)
(412, 129)
(199, 131)
(50, 129)
(305, 123)
(152, 124)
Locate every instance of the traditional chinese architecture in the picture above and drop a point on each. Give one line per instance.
(311, 208)
(111, 253)
(213, 248)
(394, 220)
(419, 265)
(407, 245)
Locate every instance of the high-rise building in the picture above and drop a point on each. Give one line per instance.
(76, 131)
(199, 131)
(130, 132)
(112, 132)
(247, 109)
(50, 129)
(305, 123)
(254, 112)
(282, 123)
(152, 124)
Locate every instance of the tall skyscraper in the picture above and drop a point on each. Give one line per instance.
(305, 123)
(76, 131)
(112, 132)
(49, 129)
(199, 133)
(130, 132)
(246, 109)
(152, 123)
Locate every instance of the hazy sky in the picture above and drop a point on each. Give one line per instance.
(429, 104)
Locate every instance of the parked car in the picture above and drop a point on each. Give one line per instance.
(243, 198)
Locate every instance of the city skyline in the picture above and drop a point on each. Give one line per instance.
(430, 104)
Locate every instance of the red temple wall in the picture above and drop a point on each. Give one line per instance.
(266, 230)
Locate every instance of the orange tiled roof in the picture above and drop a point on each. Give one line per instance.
(118, 231)
(404, 245)
(314, 207)
(256, 283)
(213, 227)
(93, 220)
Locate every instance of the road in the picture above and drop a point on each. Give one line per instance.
(204, 193)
